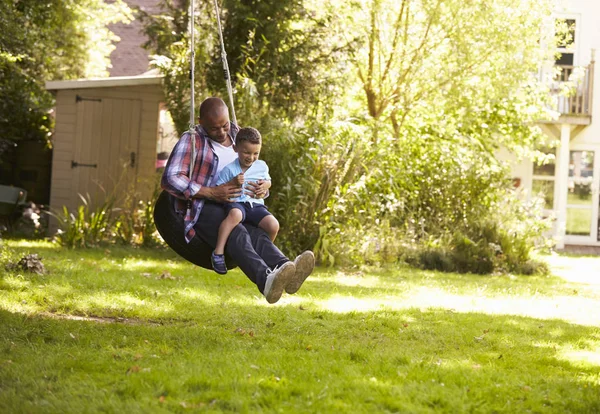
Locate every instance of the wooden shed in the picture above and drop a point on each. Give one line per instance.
(105, 136)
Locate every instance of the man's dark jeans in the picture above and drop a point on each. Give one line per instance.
(250, 247)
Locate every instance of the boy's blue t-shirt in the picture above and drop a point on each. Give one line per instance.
(257, 171)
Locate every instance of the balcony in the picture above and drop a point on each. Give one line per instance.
(571, 88)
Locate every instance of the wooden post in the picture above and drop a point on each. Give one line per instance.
(584, 91)
(591, 80)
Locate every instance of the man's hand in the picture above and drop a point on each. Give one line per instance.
(223, 193)
(258, 189)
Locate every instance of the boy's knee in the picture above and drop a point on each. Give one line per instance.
(271, 225)
(236, 214)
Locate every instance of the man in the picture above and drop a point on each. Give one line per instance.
(201, 200)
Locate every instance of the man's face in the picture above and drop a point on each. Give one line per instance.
(216, 125)
(247, 153)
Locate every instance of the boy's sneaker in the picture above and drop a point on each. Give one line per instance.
(277, 280)
(218, 263)
(305, 263)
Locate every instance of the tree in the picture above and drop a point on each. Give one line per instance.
(474, 59)
(277, 48)
(50, 40)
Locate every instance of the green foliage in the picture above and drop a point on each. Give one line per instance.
(95, 223)
(135, 222)
(502, 240)
(50, 40)
(87, 226)
(169, 44)
(281, 47)
(286, 48)
(380, 119)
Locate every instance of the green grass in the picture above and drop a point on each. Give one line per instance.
(391, 340)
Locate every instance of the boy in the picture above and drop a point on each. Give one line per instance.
(244, 209)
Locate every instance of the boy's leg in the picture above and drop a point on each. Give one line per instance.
(235, 217)
(259, 215)
(270, 225)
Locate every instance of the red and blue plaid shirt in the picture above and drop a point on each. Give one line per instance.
(176, 177)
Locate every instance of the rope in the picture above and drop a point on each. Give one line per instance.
(192, 110)
(225, 64)
(192, 130)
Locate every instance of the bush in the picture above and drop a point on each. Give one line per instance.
(433, 204)
(85, 227)
(135, 222)
(88, 227)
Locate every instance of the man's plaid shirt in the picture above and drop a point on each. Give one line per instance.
(176, 177)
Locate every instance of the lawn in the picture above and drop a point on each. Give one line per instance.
(137, 331)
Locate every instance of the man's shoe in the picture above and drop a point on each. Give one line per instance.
(218, 263)
(277, 280)
(305, 263)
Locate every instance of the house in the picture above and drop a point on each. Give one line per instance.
(570, 182)
(109, 131)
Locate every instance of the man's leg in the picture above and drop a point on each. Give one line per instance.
(239, 246)
(265, 248)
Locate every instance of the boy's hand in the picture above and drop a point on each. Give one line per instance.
(258, 189)
(239, 179)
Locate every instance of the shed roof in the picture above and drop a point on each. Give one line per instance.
(145, 79)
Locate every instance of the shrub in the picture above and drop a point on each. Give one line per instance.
(135, 222)
(86, 226)
(433, 204)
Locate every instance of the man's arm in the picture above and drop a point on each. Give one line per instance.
(222, 193)
(228, 186)
(176, 177)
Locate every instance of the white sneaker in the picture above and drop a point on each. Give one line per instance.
(305, 263)
(277, 280)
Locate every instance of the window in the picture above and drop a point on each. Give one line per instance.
(579, 198)
(544, 177)
(565, 31)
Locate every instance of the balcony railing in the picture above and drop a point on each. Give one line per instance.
(572, 88)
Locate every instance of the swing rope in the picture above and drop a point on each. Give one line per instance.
(169, 222)
(225, 64)
(192, 68)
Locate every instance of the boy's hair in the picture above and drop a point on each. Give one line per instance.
(248, 134)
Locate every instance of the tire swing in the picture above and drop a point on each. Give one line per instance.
(168, 222)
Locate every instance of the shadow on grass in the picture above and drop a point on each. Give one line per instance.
(235, 358)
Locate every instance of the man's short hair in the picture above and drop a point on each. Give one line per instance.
(211, 106)
(248, 134)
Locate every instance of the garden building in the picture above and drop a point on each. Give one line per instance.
(570, 182)
(105, 138)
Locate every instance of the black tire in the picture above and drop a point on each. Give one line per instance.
(170, 226)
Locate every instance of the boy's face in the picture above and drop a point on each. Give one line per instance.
(247, 153)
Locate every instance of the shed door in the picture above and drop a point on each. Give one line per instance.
(106, 147)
